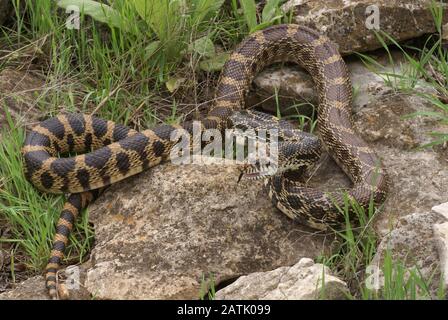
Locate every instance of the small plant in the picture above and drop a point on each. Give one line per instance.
(208, 290)
(270, 14)
(305, 123)
(175, 28)
(179, 27)
(399, 282)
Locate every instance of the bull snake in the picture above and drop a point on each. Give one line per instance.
(120, 152)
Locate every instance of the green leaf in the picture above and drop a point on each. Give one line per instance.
(215, 63)
(151, 49)
(204, 47)
(140, 7)
(263, 25)
(250, 13)
(202, 10)
(269, 11)
(98, 11)
(162, 16)
(174, 83)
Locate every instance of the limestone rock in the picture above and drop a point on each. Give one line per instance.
(441, 209)
(303, 281)
(34, 288)
(160, 233)
(30, 289)
(352, 23)
(441, 238)
(414, 243)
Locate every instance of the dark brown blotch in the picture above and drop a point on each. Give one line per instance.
(306, 35)
(88, 142)
(62, 167)
(76, 201)
(54, 259)
(158, 148)
(99, 127)
(294, 201)
(55, 126)
(120, 132)
(37, 139)
(51, 270)
(136, 143)
(123, 162)
(77, 123)
(63, 230)
(164, 131)
(68, 216)
(34, 160)
(275, 34)
(99, 158)
(249, 47)
(70, 142)
(46, 180)
(236, 70)
(276, 183)
(83, 177)
(58, 246)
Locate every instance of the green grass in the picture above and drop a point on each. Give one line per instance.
(354, 255)
(208, 288)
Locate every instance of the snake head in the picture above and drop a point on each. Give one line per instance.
(292, 155)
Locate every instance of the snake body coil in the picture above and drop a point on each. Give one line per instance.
(120, 152)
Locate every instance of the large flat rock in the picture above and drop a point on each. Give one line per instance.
(159, 234)
(352, 24)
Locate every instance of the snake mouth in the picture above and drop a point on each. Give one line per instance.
(256, 172)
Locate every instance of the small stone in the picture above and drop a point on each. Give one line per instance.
(160, 233)
(303, 281)
(441, 209)
(31, 289)
(441, 239)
